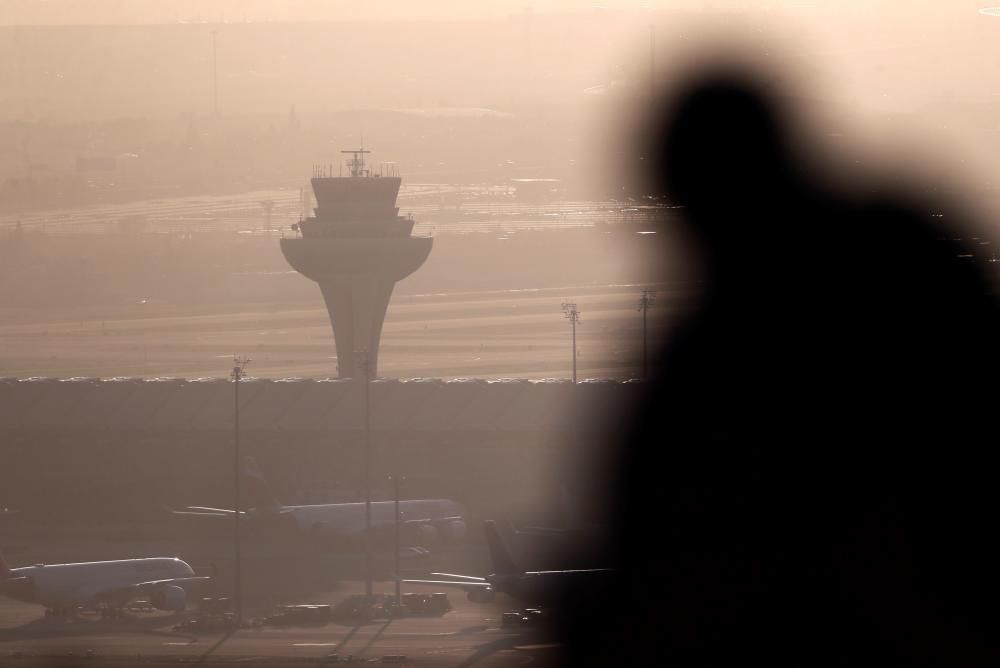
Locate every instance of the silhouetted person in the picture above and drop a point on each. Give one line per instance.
(808, 480)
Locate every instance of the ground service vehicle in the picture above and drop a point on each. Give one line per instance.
(300, 615)
(426, 604)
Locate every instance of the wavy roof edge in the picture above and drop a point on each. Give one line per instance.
(344, 381)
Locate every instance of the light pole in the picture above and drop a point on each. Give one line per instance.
(238, 373)
(652, 66)
(573, 315)
(145, 336)
(395, 488)
(362, 361)
(215, 79)
(647, 299)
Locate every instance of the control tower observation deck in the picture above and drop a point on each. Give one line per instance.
(356, 247)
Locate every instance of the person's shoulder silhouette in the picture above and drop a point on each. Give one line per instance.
(807, 479)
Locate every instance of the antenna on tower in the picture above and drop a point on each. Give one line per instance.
(357, 162)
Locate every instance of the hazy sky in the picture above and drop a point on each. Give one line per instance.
(935, 63)
(142, 11)
(13, 12)
(886, 55)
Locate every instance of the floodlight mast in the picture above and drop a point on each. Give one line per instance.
(573, 315)
(363, 360)
(215, 77)
(647, 299)
(395, 486)
(238, 373)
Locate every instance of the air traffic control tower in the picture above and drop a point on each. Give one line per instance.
(356, 247)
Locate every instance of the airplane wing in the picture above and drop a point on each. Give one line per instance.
(202, 517)
(465, 586)
(221, 512)
(214, 516)
(204, 510)
(541, 531)
(456, 576)
(433, 520)
(94, 591)
(172, 581)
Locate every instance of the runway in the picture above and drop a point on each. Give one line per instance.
(510, 333)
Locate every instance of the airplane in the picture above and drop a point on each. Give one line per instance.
(577, 541)
(63, 587)
(427, 520)
(574, 527)
(545, 588)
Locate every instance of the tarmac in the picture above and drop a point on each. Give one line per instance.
(470, 634)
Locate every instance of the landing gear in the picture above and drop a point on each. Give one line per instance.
(58, 613)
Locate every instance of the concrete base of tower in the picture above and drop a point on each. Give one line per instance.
(356, 277)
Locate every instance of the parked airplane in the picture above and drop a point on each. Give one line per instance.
(546, 588)
(574, 540)
(62, 587)
(424, 520)
(574, 526)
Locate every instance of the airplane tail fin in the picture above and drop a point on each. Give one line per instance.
(503, 563)
(258, 494)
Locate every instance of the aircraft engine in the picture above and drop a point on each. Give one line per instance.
(169, 597)
(456, 530)
(484, 595)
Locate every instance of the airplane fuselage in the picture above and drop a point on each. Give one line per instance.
(422, 519)
(349, 518)
(63, 585)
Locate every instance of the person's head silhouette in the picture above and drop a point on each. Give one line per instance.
(803, 479)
